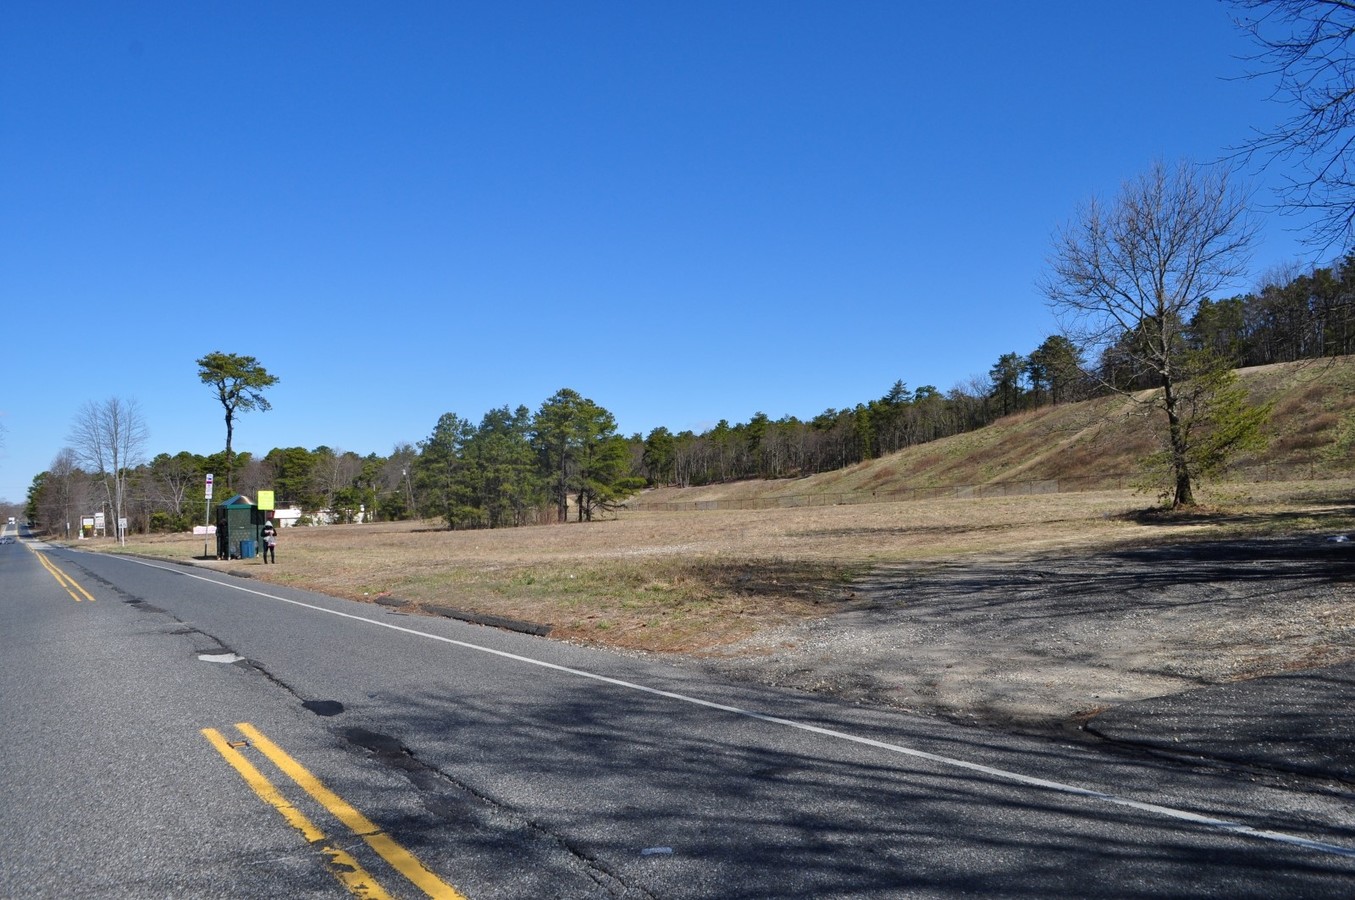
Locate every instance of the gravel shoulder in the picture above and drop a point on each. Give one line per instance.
(1045, 642)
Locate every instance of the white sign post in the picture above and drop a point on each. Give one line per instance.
(207, 515)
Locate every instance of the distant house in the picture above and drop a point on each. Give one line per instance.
(286, 517)
(291, 515)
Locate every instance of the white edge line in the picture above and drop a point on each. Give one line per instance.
(1001, 774)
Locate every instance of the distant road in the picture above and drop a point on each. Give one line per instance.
(173, 732)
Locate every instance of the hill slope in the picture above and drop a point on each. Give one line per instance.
(1078, 446)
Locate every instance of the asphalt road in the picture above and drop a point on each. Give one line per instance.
(172, 732)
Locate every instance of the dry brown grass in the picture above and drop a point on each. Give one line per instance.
(699, 579)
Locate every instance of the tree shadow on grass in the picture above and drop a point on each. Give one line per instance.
(1339, 515)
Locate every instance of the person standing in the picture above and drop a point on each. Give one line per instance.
(270, 541)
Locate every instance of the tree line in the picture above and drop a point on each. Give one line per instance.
(1306, 315)
(1133, 278)
(566, 460)
(514, 467)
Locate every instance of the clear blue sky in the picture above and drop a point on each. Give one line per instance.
(686, 211)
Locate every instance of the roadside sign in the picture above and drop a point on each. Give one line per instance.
(206, 515)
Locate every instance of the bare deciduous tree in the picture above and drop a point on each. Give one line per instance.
(171, 477)
(334, 471)
(109, 439)
(65, 492)
(1129, 275)
(1305, 46)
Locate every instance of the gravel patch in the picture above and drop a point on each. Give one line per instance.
(1043, 642)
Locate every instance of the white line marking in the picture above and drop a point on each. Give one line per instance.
(1001, 774)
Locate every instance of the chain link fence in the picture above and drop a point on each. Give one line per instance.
(1074, 484)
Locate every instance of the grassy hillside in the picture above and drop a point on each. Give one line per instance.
(1080, 446)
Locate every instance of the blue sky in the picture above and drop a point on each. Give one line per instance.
(687, 211)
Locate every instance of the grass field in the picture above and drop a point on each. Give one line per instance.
(694, 580)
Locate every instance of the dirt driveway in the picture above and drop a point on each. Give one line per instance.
(1041, 642)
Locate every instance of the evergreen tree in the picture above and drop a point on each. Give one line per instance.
(1055, 366)
(1219, 328)
(239, 382)
(581, 455)
(438, 472)
(603, 477)
(1216, 423)
(290, 470)
(660, 456)
(1005, 376)
(501, 468)
(605, 480)
(557, 438)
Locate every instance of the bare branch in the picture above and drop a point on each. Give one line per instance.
(109, 439)
(1304, 47)
(1127, 278)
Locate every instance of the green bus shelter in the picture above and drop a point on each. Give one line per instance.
(238, 523)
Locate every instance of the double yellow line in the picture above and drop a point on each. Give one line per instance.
(72, 587)
(343, 866)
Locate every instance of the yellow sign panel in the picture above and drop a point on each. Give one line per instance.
(265, 500)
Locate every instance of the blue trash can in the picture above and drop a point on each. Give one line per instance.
(246, 549)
